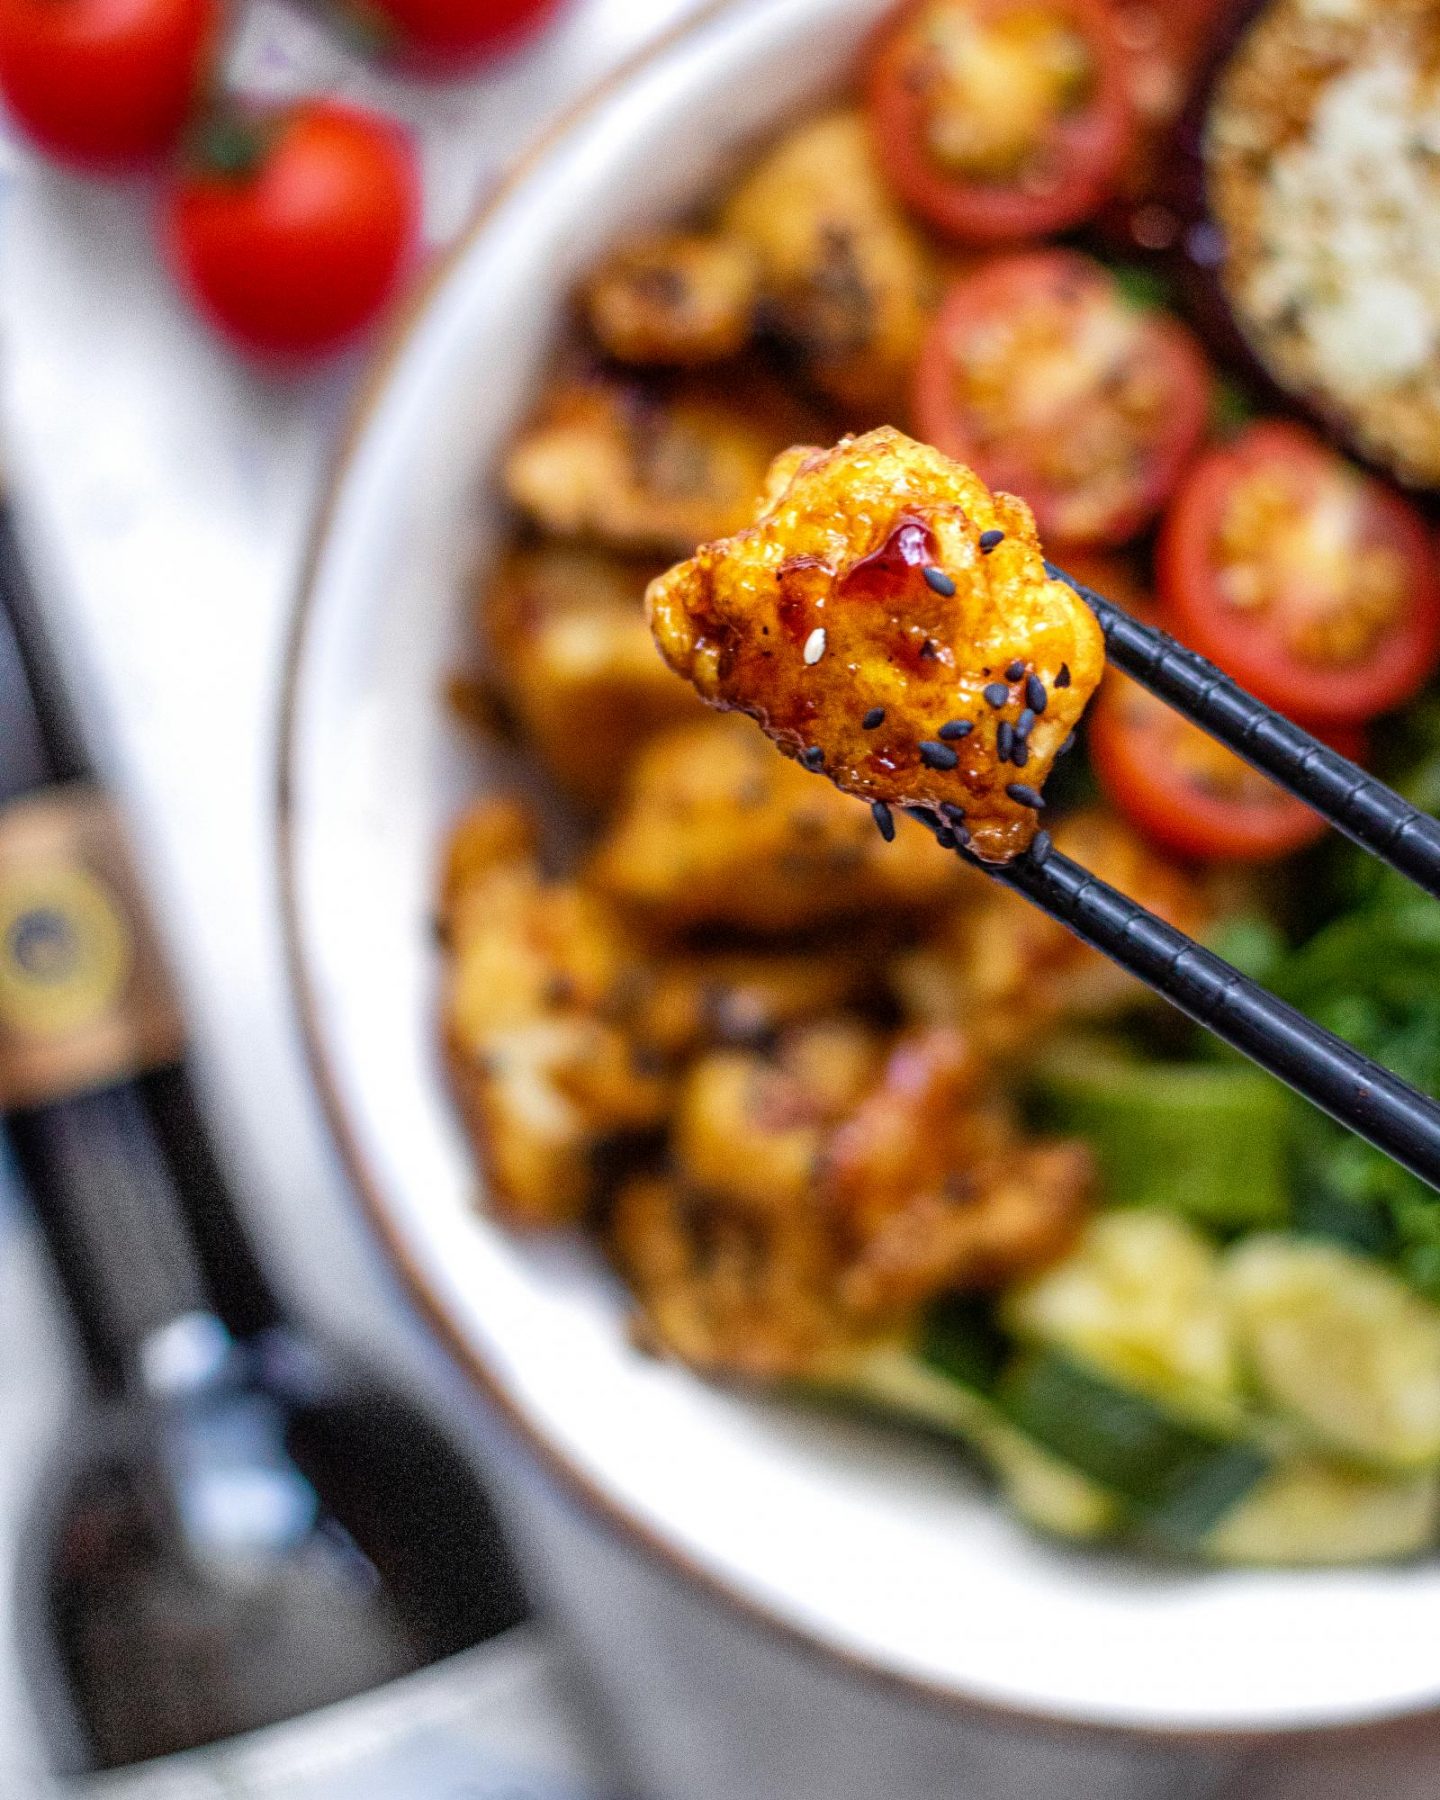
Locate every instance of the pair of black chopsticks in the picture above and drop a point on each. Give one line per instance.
(1359, 1093)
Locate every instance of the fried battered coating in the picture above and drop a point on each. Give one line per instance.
(750, 1128)
(1009, 974)
(746, 998)
(576, 664)
(537, 979)
(723, 1289)
(493, 833)
(674, 297)
(808, 1214)
(656, 468)
(847, 282)
(717, 830)
(929, 1188)
(859, 618)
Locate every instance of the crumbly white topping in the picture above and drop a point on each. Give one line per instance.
(1349, 218)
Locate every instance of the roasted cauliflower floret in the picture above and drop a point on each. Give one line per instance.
(1007, 973)
(643, 468)
(846, 281)
(495, 832)
(716, 829)
(745, 998)
(727, 1290)
(928, 1187)
(576, 664)
(537, 982)
(676, 297)
(750, 1128)
(889, 619)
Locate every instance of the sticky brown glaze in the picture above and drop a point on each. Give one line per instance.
(836, 606)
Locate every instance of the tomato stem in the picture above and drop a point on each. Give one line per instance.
(231, 143)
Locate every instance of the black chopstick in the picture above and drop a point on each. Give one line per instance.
(1375, 817)
(1390, 1114)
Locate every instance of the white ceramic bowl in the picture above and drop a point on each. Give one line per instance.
(875, 1548)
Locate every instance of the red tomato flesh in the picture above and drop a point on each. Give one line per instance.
(1310, 582)
(1001, 119)
(104, 83)
(1043, 377)
(297, 254)
(454, 34)
(1187, 794)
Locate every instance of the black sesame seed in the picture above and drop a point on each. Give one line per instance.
(962, 837)
(955, 729)
(989, 540)
(873, 718)
(1035, 694)
(1004, 740)
(1024, 796)
(954, 815)
(940, 581)
(1024, 725)
(884, 820)
(996, 694)
(1063, 678)
(1016, 670)
(813, 757)
(1067, 746)
(945, 839)
(1040, 846)
(936, 755)
(1020, 755)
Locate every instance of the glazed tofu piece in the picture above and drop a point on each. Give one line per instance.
(575, 662)
(846, 281)
(536, 988)
(643, 468)
(889, 620)
(717, 830)
(674, 298)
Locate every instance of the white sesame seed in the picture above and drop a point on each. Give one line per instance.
(815, 645)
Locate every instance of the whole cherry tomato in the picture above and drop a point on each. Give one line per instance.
(451, 34)
(105, 83)
(293, 230)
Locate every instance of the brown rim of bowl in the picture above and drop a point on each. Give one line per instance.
(597, 1503)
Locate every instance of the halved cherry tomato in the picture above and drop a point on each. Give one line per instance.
(1001, 119)
(1310, 582)
(1049, 382)
(1186, 793)
(298, 229)
(452, 34)
(104, 83)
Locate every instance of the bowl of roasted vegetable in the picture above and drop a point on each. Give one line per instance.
(848, 1230)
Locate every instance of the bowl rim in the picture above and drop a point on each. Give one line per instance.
(599, 1505)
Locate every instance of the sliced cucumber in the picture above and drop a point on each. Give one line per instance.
(1139, 1298)
(1340, 1347)
(1210, 1140)
(1041, 1489)
(1047, 1493)
(1313, 1512)
(1180, 1478)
